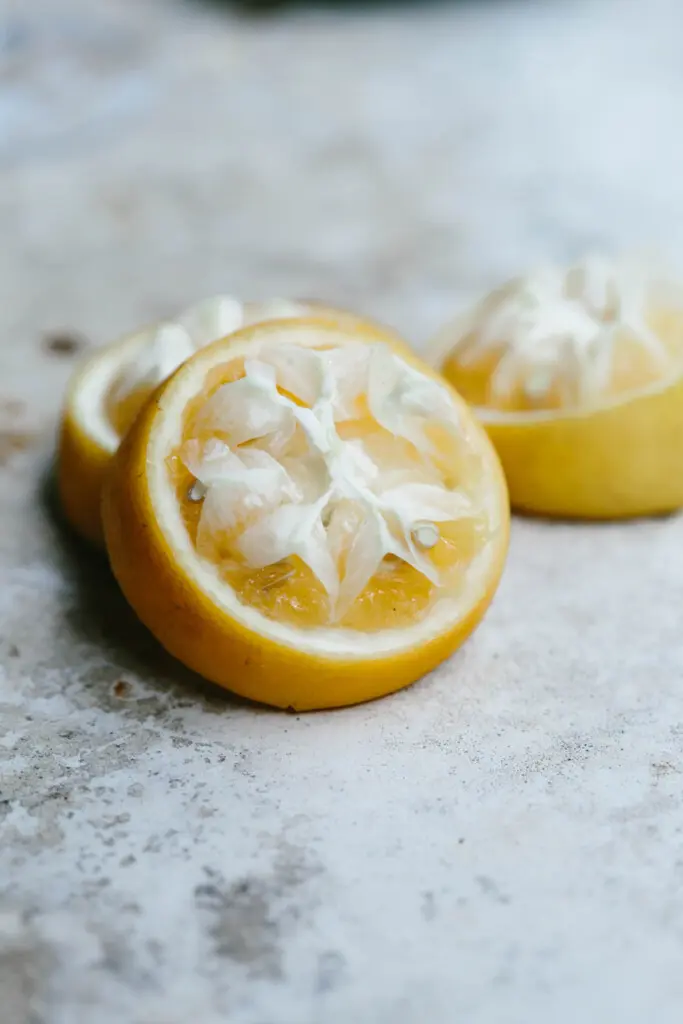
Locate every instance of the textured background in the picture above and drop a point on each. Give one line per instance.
(500, 843)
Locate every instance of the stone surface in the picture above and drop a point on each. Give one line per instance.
(500, 843)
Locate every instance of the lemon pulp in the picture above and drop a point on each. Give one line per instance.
(567, 339)
(428, 453)
(157, 351)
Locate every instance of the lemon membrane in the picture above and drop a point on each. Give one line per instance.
(566, 338)
(110, 388)
(332, 486)
(157, 351)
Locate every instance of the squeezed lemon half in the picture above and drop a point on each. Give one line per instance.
(110, 387)
(307, 514)
(576, 374)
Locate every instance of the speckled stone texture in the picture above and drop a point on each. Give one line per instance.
(500, 844)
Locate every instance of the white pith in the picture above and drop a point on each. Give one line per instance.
(165, 347)
(292, 508)
(558, 327)
(148, 357)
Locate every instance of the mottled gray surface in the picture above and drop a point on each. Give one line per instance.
(502, 842)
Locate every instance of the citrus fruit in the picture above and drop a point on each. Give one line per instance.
(111, 385)
(577, 375)
(307, 514)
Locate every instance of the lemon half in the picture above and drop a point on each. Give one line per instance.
(577, 375)
(307, 515)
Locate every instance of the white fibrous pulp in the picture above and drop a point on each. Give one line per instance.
(558, 327)
(278, 476)
(165, 347)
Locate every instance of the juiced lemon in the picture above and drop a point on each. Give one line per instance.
(577, 376)
(109, 388)
(307, 515)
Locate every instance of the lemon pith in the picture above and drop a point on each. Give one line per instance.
(110, 387)
(274, 632)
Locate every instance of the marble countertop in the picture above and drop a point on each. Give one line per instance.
(501, 843)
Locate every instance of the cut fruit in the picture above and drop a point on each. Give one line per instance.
(577, 375)
(111, 386)
(307, 515)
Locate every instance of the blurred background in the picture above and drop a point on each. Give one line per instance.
(395, 157)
